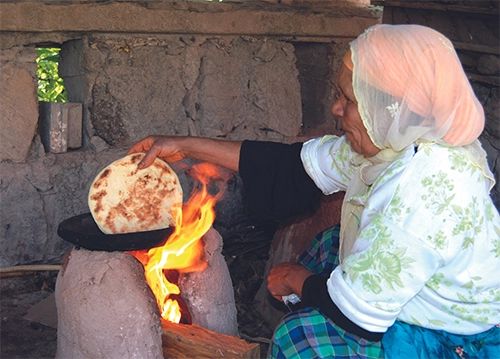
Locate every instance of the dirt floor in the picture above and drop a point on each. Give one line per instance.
(21, 338)
(246, 250)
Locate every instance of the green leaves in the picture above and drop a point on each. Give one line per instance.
(50, 85)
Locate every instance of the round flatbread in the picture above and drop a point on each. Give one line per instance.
(125, 199)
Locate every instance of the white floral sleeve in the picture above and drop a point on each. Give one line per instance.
(327, 161)
(427, 249)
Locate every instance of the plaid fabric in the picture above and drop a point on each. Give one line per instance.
(309, 334)
(321, 257)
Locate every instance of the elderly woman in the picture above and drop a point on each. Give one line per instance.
(410, 271)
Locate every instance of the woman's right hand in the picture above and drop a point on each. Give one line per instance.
(166, 148)
(287, 278)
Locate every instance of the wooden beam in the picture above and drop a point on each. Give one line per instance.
(182, 341)
(489, 80)
(164, 17)
(495, 50)
(437, 7)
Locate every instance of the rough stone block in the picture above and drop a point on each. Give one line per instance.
(489, 65)
(18, 114)
(60, 126)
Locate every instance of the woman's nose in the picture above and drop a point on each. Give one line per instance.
(337, 108)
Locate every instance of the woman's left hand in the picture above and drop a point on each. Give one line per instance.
(287, 278)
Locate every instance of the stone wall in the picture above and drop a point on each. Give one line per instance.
(221, 87)
(159, 67)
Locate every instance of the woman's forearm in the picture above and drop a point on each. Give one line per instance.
(173, 149)
(219, 152)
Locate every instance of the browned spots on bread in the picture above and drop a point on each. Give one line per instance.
(136, 158)
(162, 168)
(102, 178)
(141, 206)
(98, 197)
(112, 214)
(105, 173)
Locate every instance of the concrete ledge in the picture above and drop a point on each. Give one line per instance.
(343, 22)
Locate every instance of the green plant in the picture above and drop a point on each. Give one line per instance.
(50, 85)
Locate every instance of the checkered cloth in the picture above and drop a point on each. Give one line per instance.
(321, 257)
(308, 334)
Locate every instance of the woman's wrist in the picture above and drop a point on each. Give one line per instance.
(219, 152)
(300, 279)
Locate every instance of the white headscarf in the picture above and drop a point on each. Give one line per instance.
(411, 87)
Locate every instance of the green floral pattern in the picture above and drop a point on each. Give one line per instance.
(340, 158)
(460, 162)
(379, 267)
(427, 233)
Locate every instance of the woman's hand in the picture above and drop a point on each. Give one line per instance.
(172, 149)
(168, 149)
(287, 278)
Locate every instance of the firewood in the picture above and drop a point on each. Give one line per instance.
(22, 270)
(193, 341)
(31, 268)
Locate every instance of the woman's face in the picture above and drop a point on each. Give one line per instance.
(346, 107)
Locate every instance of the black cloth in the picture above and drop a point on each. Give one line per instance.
(275, 182)
(276, 187)
(315, 294)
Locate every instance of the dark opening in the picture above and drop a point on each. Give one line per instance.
(313, 63)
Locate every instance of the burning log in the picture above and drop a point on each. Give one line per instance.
(182, 341)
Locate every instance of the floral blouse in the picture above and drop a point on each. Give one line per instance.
(427, 247)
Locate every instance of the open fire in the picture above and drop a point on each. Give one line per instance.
(183, 251)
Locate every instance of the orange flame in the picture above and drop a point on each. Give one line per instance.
(183, 250)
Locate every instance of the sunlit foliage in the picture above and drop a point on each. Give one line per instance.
(50, 85)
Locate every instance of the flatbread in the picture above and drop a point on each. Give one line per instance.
(125, 199)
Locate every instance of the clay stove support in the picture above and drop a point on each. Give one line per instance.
(209, 294)
(105, 308)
